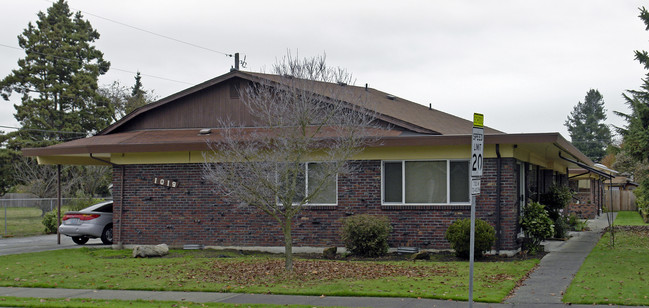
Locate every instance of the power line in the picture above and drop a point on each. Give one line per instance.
(114, 68)
(42, 130)
(151, 32)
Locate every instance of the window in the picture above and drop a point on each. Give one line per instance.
(425, 182)
(328, 188)
(312, 179)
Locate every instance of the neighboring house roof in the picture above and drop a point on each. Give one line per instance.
(173, 124)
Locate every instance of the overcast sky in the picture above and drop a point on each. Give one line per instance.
(523, 64)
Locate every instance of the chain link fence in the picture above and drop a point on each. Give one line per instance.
(22, 216)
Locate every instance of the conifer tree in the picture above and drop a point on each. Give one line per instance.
(57, 80)
(585, 124)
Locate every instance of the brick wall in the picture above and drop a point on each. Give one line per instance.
(193, 213)
(583, 210)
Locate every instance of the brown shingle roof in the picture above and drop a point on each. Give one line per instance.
(394, 110)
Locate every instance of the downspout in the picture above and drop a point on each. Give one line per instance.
(121, 199)
(498, 196)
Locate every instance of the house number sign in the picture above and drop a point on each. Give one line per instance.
(165, 182)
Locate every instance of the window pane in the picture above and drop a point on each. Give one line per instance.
(392, 181)
(291, 180)
(459, 181)
(327, 193)
(426, 182)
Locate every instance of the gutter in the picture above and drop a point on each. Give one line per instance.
(121, 198)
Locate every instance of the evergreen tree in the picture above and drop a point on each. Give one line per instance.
(139, 96)
(137, 87)
(585, 124)
(636, 132)
(124, 102)
(57, 80)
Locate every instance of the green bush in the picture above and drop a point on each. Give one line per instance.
(561, 227)
(537, 225)
(575, 223)
(366, 235)
(459, 235)
(82, 201)
(50, 222)
(556, 199)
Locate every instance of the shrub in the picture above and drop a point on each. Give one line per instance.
(561, 227)
(537, 225)
(459, 235)
(642, 201)
(557, 198)
(82, 201)
(50, 222)
(366, 235)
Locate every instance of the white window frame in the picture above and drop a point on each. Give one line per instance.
(403, 182)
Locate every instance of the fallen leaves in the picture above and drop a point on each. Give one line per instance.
(272, 271)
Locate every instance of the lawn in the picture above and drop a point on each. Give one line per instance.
(629, 218)
(616, 276)
(230, 271)
(21, 221)
(7, 301)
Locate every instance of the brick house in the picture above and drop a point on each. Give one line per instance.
(160, 196)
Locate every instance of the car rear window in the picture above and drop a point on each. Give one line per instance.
(108, 208)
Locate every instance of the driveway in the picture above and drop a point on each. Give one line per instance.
(10, 246)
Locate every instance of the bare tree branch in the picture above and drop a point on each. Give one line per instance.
(305, 113)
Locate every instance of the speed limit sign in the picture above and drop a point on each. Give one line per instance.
(477, 151)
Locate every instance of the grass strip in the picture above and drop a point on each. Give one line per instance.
(614, 275)
(629, 218)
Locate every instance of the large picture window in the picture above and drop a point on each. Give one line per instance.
(425, 182)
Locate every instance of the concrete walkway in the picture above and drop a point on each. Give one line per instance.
(544, 288)
(556, 270)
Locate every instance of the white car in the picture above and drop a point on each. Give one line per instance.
(95, 221)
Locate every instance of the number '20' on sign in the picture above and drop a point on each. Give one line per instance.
(476, 163)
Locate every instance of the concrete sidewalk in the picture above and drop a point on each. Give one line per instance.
(236, 298)
(544, 288)
(557, 269)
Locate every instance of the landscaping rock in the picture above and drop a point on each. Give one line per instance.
(146, 251)
(424, 255)
(330, 253)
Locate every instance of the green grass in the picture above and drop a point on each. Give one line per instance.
(21, 221)
(7, 301)
(629, 218)
(616, 276)
(200, 271)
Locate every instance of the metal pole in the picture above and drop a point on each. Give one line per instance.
(472, 249)
(58, 201)
(5, 219)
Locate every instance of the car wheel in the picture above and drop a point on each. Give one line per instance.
(107, 235)
(79, 240)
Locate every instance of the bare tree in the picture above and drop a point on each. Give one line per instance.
(308, 125)
(76, 181)
(41, 180)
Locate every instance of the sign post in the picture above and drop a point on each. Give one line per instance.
(477, 153)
